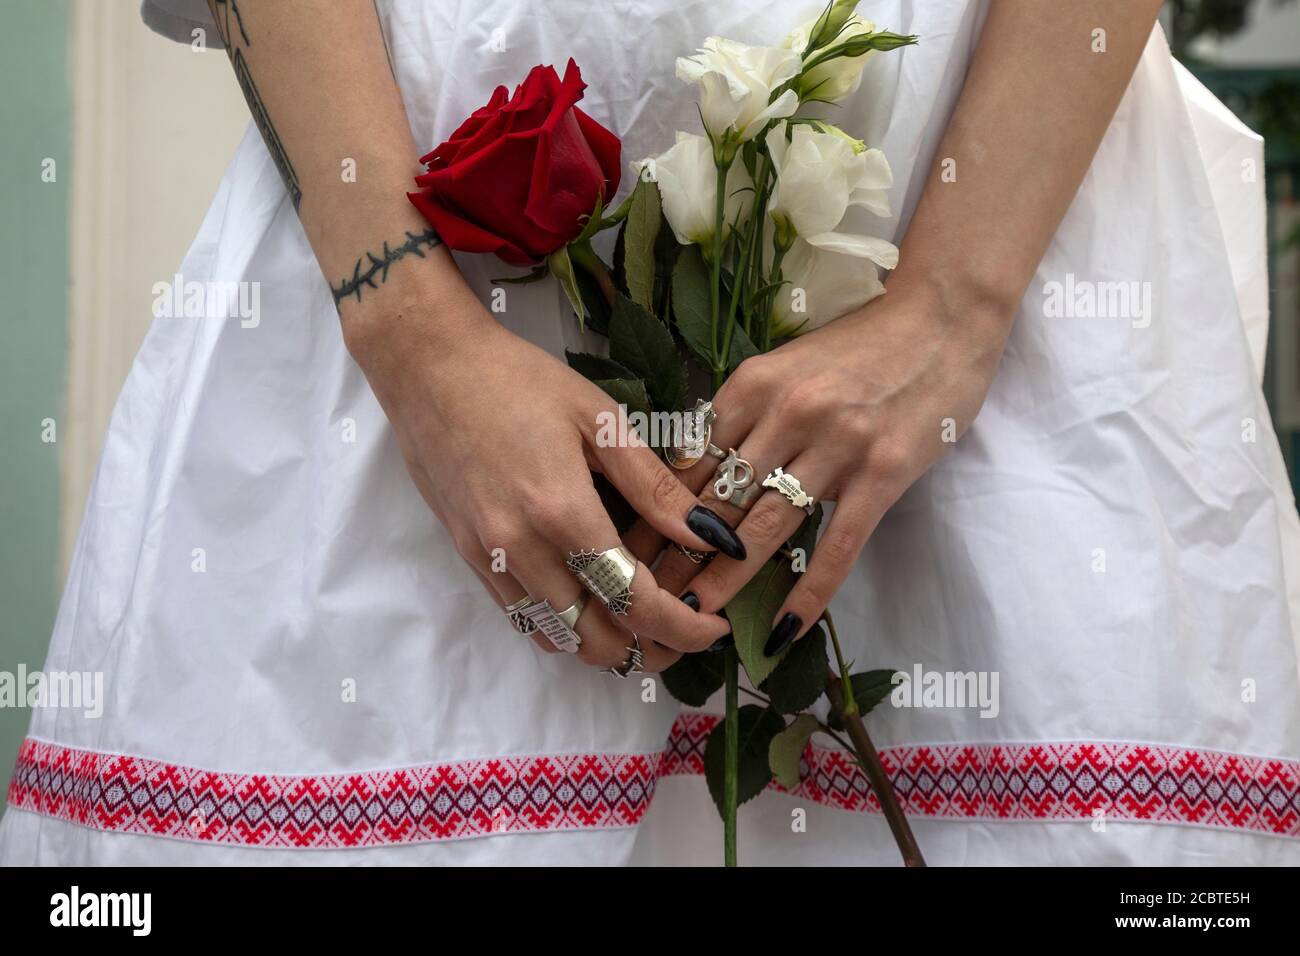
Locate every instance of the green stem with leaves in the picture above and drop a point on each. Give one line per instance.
(840, 691)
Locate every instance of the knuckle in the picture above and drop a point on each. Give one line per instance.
(708, 583)
(500, 531)
(806, 400)
(665, 488)
(839, 546)
(766, 521)
(467, 545)
(750, 378)
(646, 613)
(857, 429)
(812, 595)
(887, 462)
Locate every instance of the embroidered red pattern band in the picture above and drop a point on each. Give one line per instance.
(1075, 780)
(1146, 783)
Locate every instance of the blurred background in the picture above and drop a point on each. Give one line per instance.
(115, 140)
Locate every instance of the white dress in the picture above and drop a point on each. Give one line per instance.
(299, 669)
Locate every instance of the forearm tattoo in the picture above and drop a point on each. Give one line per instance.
(371, 269)
(376, 267)
(222, 12)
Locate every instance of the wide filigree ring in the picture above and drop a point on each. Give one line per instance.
(606, 574)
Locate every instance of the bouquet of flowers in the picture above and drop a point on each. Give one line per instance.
(731, 241)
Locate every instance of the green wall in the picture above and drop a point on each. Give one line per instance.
(35, 117)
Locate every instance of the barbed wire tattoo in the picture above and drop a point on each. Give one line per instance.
(377, 266)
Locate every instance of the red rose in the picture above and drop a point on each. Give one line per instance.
(521, 175)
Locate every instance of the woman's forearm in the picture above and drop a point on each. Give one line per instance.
(320, 86)
(1038, 98)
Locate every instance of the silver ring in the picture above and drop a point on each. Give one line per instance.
(571, 613)
(693, 441)
(789, 486)
(606, 574)
(734, 481)
(633, 663)
(521, 623)
(695, 557)
(557, 627)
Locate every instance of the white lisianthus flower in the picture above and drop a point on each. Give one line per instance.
(688, 189)
(819, 176)
(820, 286)
(736, 84)
(838, 77)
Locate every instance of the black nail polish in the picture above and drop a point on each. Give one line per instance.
(717, 532)
(782, 634)
(691, 600)
(722, 643)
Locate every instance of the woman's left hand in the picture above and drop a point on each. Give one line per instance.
(856, 411)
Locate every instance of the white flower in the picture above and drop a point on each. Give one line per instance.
(736, 84)
(820, 286)
(688, 188)
(819, 175)
(837, 77)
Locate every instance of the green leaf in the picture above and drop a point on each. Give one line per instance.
(593, 224)
(785, 752)
(561, 267)
(751, 613)
(695, 678)
(691, 304)
(643, 220)
(869, 689)
(640, 342)
(596, 367)
(666, 253)
(620, 213)
(758, 726)
(742, 347)
(598, 309)
(800, 678)
(626, 391)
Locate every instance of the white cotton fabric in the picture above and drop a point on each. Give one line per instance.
(323, 564)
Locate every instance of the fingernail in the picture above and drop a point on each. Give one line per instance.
(717, 532)
(782, 634)
(691, 600)
(722, 643)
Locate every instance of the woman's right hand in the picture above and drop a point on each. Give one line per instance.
(500, 439)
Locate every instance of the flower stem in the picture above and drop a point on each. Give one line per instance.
(715, 273)
(769, 298)
(839, 690)
(731, 731)
(584, 256)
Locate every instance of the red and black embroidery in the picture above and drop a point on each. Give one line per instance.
(1078, 780)
(1075, 780)
(376, 808)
